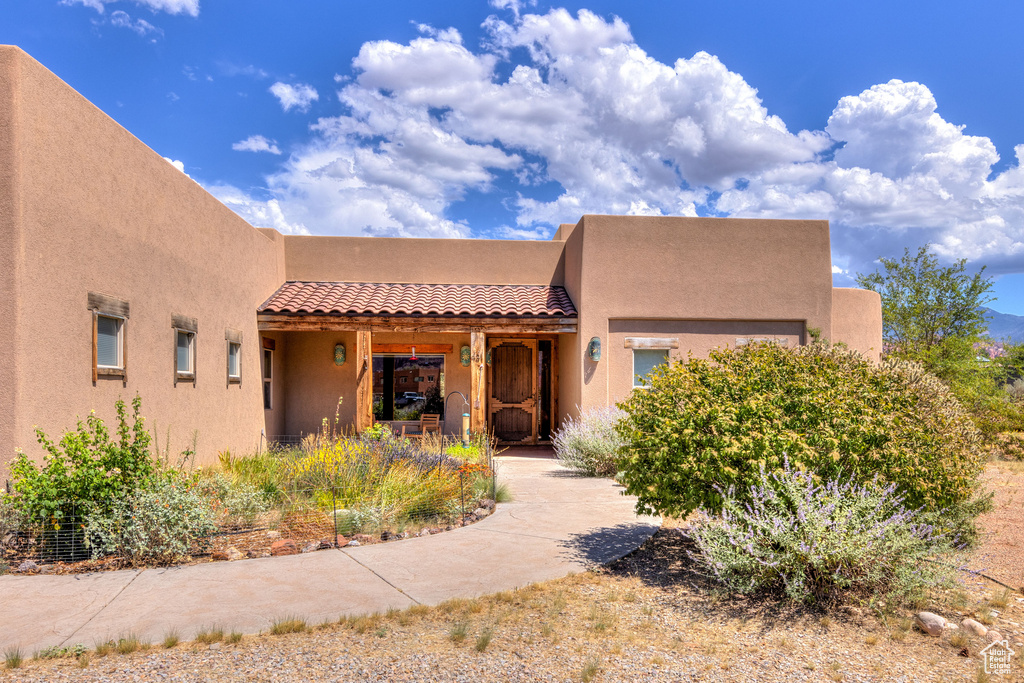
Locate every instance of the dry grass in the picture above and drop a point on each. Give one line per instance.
(647, 616)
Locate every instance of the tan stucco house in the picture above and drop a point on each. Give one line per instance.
(120, 275)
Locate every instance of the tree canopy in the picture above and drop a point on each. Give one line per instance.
(925, 305)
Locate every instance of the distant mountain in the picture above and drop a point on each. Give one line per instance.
(1005, 327)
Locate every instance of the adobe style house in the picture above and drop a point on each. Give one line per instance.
(120, 275)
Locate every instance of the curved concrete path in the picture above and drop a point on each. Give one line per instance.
(557, 523)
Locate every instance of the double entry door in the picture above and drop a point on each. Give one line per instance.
(513, 392)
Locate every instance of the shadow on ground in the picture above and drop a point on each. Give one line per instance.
(603, 545)
(662, 562)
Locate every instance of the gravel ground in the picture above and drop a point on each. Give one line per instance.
(644, 618)
(1002, 553)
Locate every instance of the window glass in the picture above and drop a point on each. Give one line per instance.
(404, 388)
(185, 352)
(268, 368)
(233, 352)
(108, 342)
(645, 360)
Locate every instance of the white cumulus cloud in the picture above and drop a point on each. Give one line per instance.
(190, 7)
(562, 114)
(256, 143)
(299, 96)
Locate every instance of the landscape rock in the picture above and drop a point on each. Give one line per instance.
(340, 541)
(215, 646)
(28, 566)
(853, 611)
(310, 547)
(480, 513)
(424, 532)
(285, 546)
(487, 503)
(219, 555)
(930, 623)
(993, 636)
(234, 554)
(353, 543)
(386, 535)
(363, 538)
(974, 628)
(273, 534)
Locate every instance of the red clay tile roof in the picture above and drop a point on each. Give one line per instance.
(371, 298)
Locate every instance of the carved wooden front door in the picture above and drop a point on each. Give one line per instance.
(512, 394)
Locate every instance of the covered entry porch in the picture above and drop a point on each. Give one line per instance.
(391, 352)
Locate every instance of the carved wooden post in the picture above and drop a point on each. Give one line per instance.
(364, 381)
(477, 383)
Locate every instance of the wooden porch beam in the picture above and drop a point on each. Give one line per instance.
(364, 381)
(270, 322)
(477, 382)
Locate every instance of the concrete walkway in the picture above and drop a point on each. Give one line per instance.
(556, 524)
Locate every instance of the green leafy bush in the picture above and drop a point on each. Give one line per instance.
(86, 471)
(817, 542)
(590, 444)
(160, 524)
(706, 425)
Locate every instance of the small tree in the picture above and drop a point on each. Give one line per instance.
(931, 314)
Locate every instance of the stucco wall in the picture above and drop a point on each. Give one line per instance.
(664, 268)
(857, 320)
(695, 337)
(101, 212)
(384, 259)
(10, 251)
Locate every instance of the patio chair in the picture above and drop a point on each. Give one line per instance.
(429, 422)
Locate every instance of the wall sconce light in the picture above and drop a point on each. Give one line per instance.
(339, 354)
(464, 356)
(594, 349)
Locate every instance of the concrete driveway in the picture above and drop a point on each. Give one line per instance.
(557, 523)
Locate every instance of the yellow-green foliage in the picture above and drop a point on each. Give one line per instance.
(714, 423)
(393, 481)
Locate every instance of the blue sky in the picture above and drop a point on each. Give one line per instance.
(898, 122)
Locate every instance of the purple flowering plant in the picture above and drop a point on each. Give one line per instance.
(817, 541)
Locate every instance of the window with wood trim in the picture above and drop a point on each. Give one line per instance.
(109, 348)
(233, 339)
(185, 332)
(268, 378)
(644, 362)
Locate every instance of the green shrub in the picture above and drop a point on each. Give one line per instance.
(817, 542)
(86, 471)
(706, 425)
(161, 524)
(590, 444)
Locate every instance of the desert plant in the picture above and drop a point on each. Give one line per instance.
(707, 425)
(484, 639)
(85, 472)
(161, 524)
(818, 541)
(590, 444)
(457, 633)
(289, 625)
(13, 658)
(171, 639)
(210, 635)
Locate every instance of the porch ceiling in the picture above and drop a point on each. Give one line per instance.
(418, 307)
